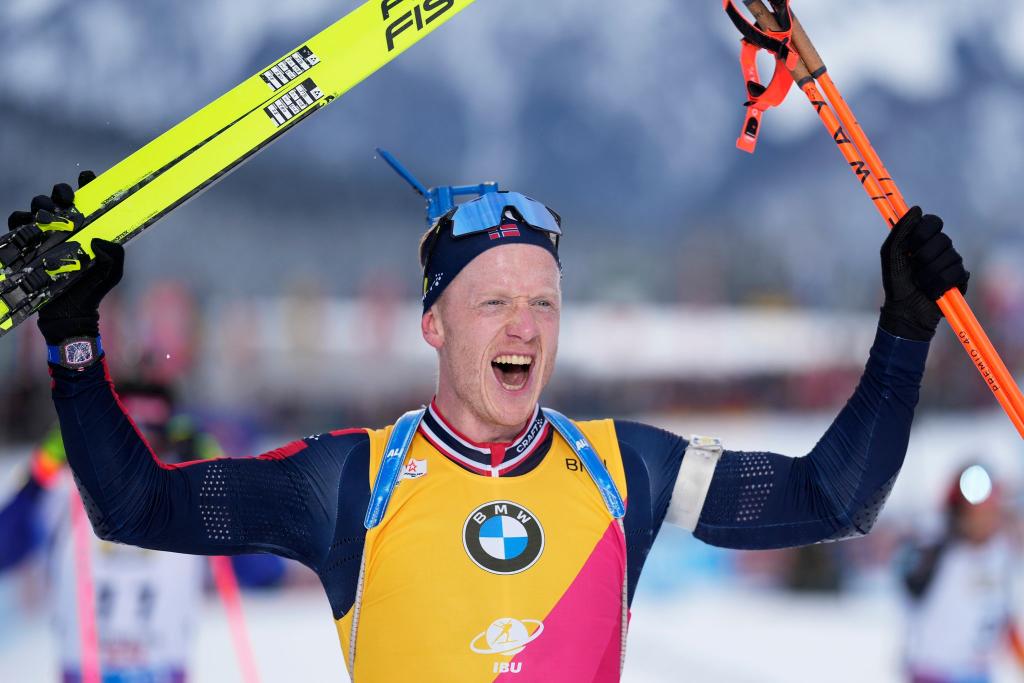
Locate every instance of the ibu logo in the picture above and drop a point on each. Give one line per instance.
(503, 537)
(508, 667)
(507, 637)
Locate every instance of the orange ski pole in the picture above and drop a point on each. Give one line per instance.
(967, 328)
(881, 188)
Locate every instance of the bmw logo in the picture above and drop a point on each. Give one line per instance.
(502, 537)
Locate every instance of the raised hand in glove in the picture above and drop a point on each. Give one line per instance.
(919, 265)
(74, 313)
(51, 215)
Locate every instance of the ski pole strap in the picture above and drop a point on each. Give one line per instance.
(775, 41)
(591, 462)
(391, 466)
(761, 97)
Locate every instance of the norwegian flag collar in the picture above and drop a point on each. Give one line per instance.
(488, 459)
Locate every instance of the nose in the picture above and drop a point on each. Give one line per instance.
(522, 324)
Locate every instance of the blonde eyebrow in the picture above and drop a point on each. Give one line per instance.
(505, 294)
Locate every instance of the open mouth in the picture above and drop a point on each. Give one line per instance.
(512, 370)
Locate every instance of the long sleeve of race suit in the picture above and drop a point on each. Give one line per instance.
(284, 501)
(767, 500)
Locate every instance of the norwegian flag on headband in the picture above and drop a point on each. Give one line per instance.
(507, 230)
(450, 254)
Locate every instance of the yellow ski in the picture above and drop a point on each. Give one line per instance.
(123, 201)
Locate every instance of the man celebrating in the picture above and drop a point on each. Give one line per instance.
(512, 537)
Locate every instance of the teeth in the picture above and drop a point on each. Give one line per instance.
(511, 359)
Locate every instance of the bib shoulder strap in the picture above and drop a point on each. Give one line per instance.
(391, 466)
(591, 462)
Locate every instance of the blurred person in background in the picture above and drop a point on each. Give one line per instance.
(495, 530)
(960, 588)
(146, 603)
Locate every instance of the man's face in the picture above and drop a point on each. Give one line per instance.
(978, 523)
(496, 332)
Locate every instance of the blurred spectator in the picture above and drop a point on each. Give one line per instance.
(959, 588)
(144, 603)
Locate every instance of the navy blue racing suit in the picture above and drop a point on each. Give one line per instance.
(307, 500)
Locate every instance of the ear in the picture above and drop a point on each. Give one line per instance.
(432, 328)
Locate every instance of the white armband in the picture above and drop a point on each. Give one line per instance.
(694, 479)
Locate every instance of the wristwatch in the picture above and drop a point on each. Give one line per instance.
(76, 353)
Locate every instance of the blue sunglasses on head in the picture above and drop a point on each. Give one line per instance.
(488, 211)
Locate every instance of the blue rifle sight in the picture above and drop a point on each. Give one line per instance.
(441, 199)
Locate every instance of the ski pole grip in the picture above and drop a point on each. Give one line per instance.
(765, 18)
(803, 45)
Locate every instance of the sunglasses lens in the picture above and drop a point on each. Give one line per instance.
(536, 214)
(488, 211)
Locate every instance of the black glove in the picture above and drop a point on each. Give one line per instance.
(29, 230)
(58, 208)
(919, 265)
(75, 311)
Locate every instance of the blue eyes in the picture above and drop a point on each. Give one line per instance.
(542, 303)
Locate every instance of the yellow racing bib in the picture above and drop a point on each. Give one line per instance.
(471, 578)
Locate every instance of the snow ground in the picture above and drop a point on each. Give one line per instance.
(717, 635)
(713, 636)
(689, 622)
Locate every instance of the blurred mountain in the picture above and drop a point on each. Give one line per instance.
(621, 115)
